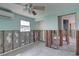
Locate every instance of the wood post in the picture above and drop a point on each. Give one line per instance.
(46, 37)
(77, 42)
(67, 37)
(50, 38)
(33, 36)
(57, 39)
(61, 37)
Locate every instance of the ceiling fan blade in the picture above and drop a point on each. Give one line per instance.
(39, 7)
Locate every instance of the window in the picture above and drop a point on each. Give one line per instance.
(24, 26)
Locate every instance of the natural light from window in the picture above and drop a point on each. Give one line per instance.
(24, 26)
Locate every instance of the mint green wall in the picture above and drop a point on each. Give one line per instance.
(14, 23)
(50, 20)
(49, 23)
(32, 21)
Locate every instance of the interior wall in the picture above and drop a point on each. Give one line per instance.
(50, 20)
(14, 23)
(48, 23)
(54, 17)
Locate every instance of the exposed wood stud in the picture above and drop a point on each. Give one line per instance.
(61, 37)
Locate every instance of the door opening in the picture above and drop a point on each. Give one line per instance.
(67, 27)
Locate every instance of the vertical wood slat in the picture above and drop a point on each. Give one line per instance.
(33, 36)
(30, 36)
(67, 37)
(57, 40)
(46, 41)
(38, 36)
(3, 43)
(77, 42)
(61, 37)
(46, 36)
(12, 40)
(52, 37)
(19, 39)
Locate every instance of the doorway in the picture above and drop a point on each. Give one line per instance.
(67, 29)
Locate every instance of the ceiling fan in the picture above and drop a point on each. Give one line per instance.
(32, 8)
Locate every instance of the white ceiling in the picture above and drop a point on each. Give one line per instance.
(49, 7)
(19, 9)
